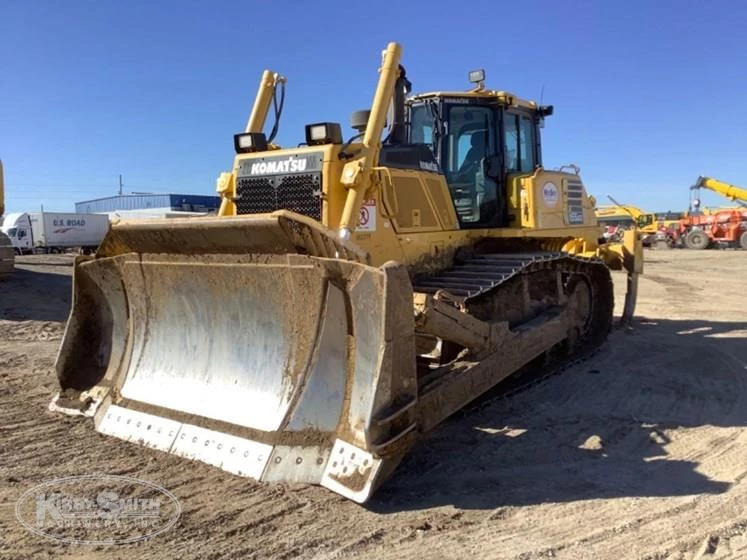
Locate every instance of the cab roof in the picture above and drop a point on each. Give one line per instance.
(501, 97)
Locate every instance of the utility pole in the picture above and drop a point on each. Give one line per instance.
(120, 184)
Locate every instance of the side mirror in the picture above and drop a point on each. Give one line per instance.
(493, 166)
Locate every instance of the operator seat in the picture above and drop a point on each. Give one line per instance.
(466, 196)
(475, 154)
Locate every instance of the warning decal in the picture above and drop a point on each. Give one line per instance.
(367, 220)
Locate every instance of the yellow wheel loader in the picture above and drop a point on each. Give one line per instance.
(350, 295)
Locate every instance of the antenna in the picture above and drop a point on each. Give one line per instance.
(543, 111)
(120, 184)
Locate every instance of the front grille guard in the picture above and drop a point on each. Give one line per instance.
(301, 193)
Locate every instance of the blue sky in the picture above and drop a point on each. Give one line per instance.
(648, 94)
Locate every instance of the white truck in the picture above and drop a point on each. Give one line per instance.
(55, 232)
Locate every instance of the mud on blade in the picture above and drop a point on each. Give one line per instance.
(277, 366)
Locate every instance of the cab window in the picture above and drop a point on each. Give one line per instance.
(645, 220)
(526, 144)
(519, 143)
(511, 142)
(421, 126)
(470, 139)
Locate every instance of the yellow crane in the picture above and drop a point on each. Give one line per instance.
(7, 254)
(734, 193)
(351, 294)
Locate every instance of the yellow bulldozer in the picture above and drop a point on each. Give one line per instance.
(350, 295)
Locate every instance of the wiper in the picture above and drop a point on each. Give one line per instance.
(438, 126)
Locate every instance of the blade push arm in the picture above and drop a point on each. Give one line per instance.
(357, 174)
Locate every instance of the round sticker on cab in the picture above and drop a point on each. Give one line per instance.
(550, 194)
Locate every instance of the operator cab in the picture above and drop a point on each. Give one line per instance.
(478, 138)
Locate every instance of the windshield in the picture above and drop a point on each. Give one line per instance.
(645, 220)
(12, 232)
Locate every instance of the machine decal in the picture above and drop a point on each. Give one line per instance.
(550, 194)
(459, 100)
(280, 165)
(429, 166)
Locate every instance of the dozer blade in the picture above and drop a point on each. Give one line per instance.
(244, 343)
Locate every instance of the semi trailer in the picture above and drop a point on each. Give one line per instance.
(55, 232)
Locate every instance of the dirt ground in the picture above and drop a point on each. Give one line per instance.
(640, 452)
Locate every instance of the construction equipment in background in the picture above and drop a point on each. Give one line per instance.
(733, 193)
(716, 228)
(350, 295)
(727, 228)
(7, 254)
(669, 219)
(619, 218)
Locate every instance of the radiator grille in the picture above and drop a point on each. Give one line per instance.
(299, 193)
(575, 202)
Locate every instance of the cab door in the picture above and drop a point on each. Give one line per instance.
(23, 238)
(521, 156)
(474, 178)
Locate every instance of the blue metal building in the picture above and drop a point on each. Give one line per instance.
(173, 202)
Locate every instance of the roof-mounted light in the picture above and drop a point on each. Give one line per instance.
(477, 76)
(323, 133)
(248, 142)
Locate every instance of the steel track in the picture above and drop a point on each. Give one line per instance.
(481, 277)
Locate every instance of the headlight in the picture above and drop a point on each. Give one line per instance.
(323, 133)
(248, 142)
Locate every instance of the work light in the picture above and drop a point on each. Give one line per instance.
(323, 133)
(248, 142)
(477, 76)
